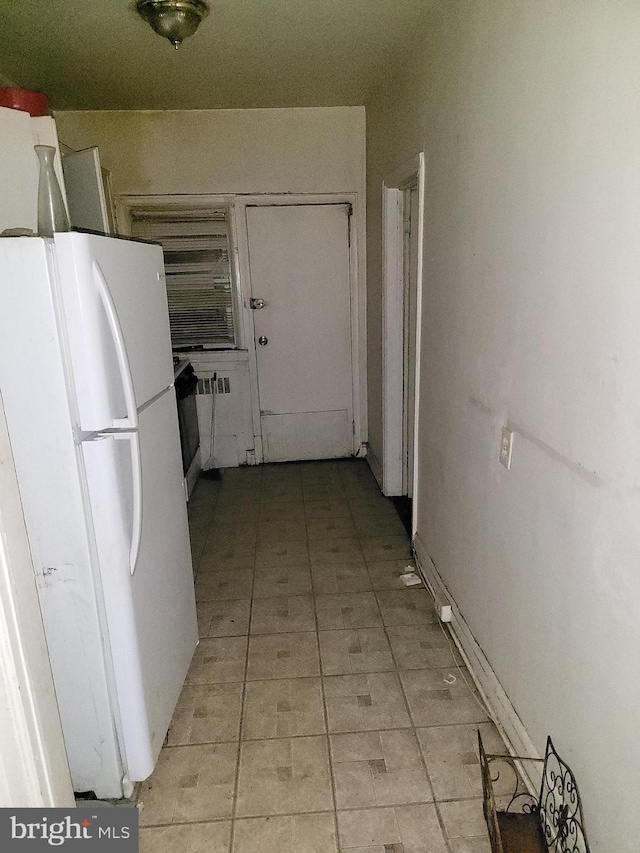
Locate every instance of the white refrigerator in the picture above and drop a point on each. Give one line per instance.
(86, 378)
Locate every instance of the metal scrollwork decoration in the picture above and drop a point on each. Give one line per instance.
(560, 807)
(557, 813)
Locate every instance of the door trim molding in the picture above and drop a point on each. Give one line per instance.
(357, 301)
(409, 174)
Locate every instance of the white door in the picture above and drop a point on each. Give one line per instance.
(86, 196)
(299, 264)
(151, 613)
(410, 306)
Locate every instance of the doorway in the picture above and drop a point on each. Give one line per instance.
(300, 300)
(403, 195)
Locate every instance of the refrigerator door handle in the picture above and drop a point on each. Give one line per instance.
(131, 420)
(136, 480)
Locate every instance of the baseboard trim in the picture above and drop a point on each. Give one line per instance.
(192, 474)
(376, 467)
(494, 695)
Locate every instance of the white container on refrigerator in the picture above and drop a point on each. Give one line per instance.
(86, 379)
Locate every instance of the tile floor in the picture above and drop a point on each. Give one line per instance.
(323, 710)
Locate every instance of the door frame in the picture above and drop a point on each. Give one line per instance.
(357, 303)
(408, 174)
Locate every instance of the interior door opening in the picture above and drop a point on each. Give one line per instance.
(403, 205)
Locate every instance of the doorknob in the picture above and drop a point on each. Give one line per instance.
(256, 303)
(263, 340)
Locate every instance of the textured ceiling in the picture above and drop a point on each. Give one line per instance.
(98, 54)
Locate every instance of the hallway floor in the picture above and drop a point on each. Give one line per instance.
(323, 710)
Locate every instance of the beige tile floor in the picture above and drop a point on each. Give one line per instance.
(323, 711)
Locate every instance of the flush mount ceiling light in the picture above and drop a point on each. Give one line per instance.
(173, 19)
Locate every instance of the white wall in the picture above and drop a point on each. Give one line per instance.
(529, 116)
(19, 167)
(315, 150)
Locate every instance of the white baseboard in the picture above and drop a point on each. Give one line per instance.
(493, 694)
(375, 466)
(192, 474)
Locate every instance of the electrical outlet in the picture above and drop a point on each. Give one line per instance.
(443, 609)
(506, 447)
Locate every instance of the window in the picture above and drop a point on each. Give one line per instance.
(199, 279)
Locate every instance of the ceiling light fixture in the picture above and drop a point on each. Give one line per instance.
(173, 19)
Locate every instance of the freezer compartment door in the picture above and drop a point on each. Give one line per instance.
(114, 304)
(151, 613)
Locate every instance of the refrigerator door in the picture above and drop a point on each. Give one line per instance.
(114, 304)
(151, 613)
(53, 500)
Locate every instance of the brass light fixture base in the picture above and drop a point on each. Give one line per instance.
(174, 20)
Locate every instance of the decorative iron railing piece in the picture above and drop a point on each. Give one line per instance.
(560, 808)
(489, 801)
(553, 823)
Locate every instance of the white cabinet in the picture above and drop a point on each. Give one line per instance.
(19, 166)
(87, 199)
